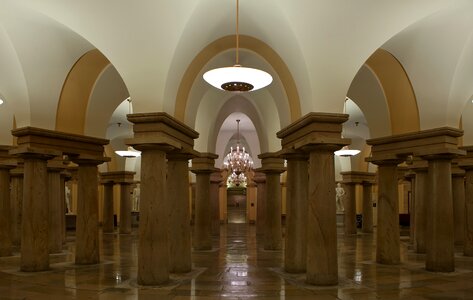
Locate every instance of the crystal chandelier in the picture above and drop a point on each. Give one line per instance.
(236, 180)
(238, 160)
(237, 78)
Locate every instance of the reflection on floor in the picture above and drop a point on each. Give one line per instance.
(237, 268)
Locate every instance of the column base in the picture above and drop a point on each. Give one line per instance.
(322, 280)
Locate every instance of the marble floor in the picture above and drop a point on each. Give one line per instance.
(237, 268)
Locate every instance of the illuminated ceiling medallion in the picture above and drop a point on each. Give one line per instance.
(238, 78)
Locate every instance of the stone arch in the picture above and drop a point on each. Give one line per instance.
(246, 42)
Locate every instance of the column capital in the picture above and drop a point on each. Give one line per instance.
(6, 160)
(427, 144)
(259, 177)
(122, 177)
(216, 177)
(159, 130)
(314, 128)
(291, 154)
(271, 162)
(358, 177)
(204, 163)
(466, 162)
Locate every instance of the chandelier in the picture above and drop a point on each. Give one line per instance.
(236, 180)
(346, 151)
(238, 160)
(237, 78)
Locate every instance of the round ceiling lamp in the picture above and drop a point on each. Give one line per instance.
(237, 78)
(129, 153)
(346, 151)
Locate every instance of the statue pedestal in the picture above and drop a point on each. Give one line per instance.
(340, 218)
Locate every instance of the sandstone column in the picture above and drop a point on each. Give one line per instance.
(272, 167)
(367, 210)
(125, 207)
(5, 231)
(87, 222)
(319, 134)
(295, 253)
(458, 190)
(179, 215)
(108, 224)
(440, 235)
(55, 212)
(16, 200)
(466, 163)
(350, 207)
(215, 180)
(203, 166)
(388, 236)
(260, 180)
(155, 134)
(420, 210)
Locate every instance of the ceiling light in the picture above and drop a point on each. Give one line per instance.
(237, 78)
(1, 101)
(346, 152)
(129, 153)
(238, 160)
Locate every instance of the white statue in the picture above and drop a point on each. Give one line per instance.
(68, 199)
(136, 199)
(340, 193)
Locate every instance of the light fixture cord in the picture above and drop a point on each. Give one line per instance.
(237, 34)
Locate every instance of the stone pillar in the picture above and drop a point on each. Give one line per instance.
(468, 240)
(215, 180)
(367, 210)
(272, 167)
(295, 253)
(179, 214)
(108, 225)
(125, 208)
(5, 231)
(420, 210)
(155, 134)
(350, 208)
(458, 194)
(319, 134)
(260, 180)
(16, 201)
(203, 166)
(55, 212)
(35, 213)
(87, 220)
(466, 163)
(440, 235)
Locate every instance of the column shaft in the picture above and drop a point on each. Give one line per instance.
(440, 234)
(420, 211)
(272, 220)
(153, 251)
(367, 217)
(63, 208)
(87, 222)
(412, 207)
(458, 190)
(16, 201)
(322, 264)
(260, 207)
(125, 208)
(388, 238)
(108, 214)
(215, 206)
(295, 254)
(35, 215)
(55, 213)
(5, 231)
(350, 208)
(179, 216)
(202, 239)
(468, 241)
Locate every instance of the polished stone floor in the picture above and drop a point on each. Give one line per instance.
(237, 268)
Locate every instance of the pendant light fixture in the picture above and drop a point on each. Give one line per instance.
(346, 151)
(238, 78)
(130, 152)
(238, 160)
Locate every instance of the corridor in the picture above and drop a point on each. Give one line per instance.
(236, 268)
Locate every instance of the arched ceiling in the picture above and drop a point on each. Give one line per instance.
(151, 44)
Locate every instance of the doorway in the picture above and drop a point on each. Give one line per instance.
(236, 205)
